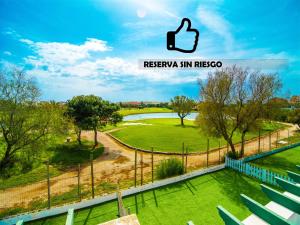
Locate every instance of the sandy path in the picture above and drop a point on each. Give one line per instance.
(117, 162)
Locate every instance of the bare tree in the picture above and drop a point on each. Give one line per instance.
(235, 99)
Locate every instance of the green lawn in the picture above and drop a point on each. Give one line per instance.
(61, 156)
(280, 162)
(167, 135)
(194, 200)
(130, 111)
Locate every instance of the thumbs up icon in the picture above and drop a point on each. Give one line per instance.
(185, 36)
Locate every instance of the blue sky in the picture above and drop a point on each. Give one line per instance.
(93, 46)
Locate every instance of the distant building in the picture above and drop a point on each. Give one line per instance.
(295, 99)
(279, 100)
(151, 102)
(142, 104)
(132, 103)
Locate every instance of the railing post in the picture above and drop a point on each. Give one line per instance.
(219, 152)
(142, 168)
(92, 173)
(207, 150)
(78, 182)
(259, 140)
(152, 164)
(277, 137)
(186, 155)
(135, 166)
(270, 142)
(48, 185)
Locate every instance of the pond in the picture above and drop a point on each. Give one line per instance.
(192, 116)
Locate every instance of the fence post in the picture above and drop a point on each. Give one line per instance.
(135, 167)
(152, 164)
(243, 143)
(186, 155)
(219, 152)
(119, 200)
(79, 188)
(259, 140)
(182, 155)
(92, 173)
(48, 185)
(270, 142)
(207, 150)
(277, 137)
(141, 168)
(288, 136)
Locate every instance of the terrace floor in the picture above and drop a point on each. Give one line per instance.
(194, 200)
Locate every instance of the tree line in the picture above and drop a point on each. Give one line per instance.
(232, 99)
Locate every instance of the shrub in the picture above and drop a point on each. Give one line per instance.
(233, 155)
(169, 168)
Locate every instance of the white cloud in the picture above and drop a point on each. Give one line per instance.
(26, 41)
(66, 87)
(63, 52)
(76, 61)
(72, 63)
(7, 53)
(217, 24)
(279, 55)
(11, 32)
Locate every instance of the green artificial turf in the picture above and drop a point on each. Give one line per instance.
(168, 135)
(195, 200)
(281, 162)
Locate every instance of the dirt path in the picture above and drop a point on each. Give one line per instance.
(116, 163)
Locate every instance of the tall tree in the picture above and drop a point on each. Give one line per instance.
(183, 106)
(91, 112)
(235, 99)
(24, 122)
